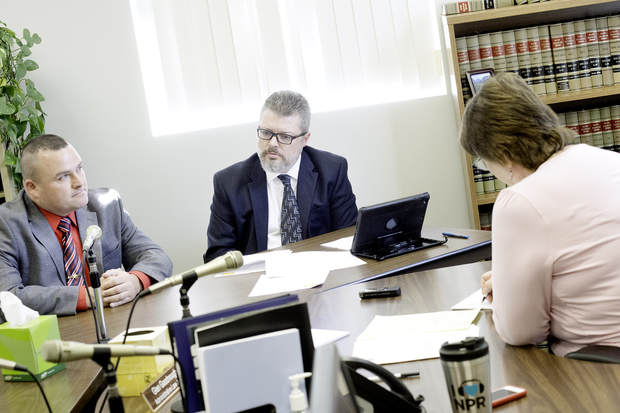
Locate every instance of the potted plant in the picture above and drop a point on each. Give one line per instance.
(21, 115)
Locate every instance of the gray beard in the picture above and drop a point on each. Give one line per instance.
(277, 167)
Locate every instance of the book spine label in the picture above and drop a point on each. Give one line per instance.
(570, 48)
(572, 123)
(596, 127)
(615, 122)
(585, 127)
(559, 57)
(582, 54)
(523, 55)
(594, 58)
(478, 181)
(463, 60)
(602, 34)
(486, 52)
(547, 60)
(510, 51)
(613, 22)
(462, 6)
(489, 4)
(536, 64)
(607, 128)
(473, 50)
(497, 49)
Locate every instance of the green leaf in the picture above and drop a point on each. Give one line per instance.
(21, 128)
(27, 34)
(31, 65)
(36, 39)
(33, 93)
(26, 51)
(21, 116)
(10, 159)
(6, 108)
(20, 71)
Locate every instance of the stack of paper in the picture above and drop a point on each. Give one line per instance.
(395, 339)
(301, 270)
(472, 302)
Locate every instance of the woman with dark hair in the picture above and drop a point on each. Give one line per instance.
(556, 228)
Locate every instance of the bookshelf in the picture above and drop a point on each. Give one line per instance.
(513, 18)
(7, 191)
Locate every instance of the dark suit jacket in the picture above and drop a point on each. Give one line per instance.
(31, 263)
(239, 212)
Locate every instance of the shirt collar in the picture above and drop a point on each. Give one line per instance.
(54, 219)
(293, 172)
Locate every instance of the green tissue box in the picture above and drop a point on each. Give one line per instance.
(23, 345)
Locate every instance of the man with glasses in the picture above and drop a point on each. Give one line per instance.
(283, 193)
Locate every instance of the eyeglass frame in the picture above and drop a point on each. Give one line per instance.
(278, 136)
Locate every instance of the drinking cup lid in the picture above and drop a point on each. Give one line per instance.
(470, 348)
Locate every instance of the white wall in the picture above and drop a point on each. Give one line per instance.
(90, 76)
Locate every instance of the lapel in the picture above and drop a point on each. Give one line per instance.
(258, 195)
(43, 233)
(86, 218)
(306, 182)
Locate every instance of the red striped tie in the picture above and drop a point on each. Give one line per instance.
(73, 263)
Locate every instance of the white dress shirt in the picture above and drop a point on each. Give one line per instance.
(275, 193)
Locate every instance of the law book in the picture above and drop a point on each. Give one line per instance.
(497, 49)
(473, 51)
(536, 68)
(562, 118)
(572, 123)
(570, 48)
(596, 127)
(488, 181)
(581, 43)
(499, 185)
(479, 180)
(559, 57)
(615, 121)
(462, 56)
(523, 55)
(547, 60)
(602, 33)
(504, 3)
(489, 4)
(485, 50)
(476, 5)
(613, 23)
(510, 51)
(585, 126)
(607, 128)
(594, 57)
(485, 221)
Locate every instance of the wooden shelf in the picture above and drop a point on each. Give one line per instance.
(485, 199)
(587, 94)
(529, 15)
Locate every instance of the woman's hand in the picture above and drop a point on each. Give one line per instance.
(487, 286)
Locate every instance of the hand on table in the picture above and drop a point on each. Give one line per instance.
(487, 286)
(119, 287)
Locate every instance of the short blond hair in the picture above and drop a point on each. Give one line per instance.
(507, 121)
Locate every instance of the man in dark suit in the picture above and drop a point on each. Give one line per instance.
(285, 192)
(42, 231)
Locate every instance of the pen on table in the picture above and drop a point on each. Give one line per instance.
(453, 235)
(409, 375)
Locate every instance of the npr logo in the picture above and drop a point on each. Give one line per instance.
(469, 396)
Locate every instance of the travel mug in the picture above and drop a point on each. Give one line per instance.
(468, 374)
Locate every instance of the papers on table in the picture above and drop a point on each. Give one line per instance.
(395, 339)
(254, 263)
(340, 244)
(322, 336)
(473, 301)
(301, 270)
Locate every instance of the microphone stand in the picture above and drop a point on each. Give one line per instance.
(102, 334)
(184, 299)
(115, 402)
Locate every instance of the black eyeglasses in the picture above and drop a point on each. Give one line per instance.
(266, 135)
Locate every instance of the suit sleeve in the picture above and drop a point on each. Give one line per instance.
(51, 299)
(139, 252)
(521, 272)
(221, 231)
(342, 205)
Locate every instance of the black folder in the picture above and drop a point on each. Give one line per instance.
(392, 228)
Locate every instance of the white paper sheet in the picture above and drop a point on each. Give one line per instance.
(341, 244)
(473, 301)
(254, 263)
(322, 336)
(395, 339)
(301, 270)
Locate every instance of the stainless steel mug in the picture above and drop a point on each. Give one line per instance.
(468, 375)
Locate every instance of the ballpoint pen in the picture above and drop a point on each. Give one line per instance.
(453, 235)
(407, 375)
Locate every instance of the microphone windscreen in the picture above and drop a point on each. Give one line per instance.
(51, 350)
(234, 259)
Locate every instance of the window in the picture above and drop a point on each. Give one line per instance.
(211, 63)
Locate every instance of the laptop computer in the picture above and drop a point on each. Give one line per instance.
(392, 228)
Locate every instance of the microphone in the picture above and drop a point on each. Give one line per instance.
(11, 365)
(58, 351)
(228, 261)
(93, 233)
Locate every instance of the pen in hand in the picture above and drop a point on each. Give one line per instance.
(408, 375)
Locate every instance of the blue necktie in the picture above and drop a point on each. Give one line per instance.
(73, 262)
(290, 221)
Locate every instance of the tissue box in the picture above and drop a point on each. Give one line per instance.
(134, 374)
(23, 345)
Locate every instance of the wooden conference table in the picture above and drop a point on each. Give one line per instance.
(77, 386)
